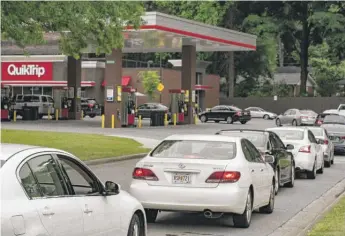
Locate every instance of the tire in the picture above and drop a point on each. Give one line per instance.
(229, 120)
(312, 174)
(320, 171)
(291, 184)
(40, 116)
(278, 122)
(92, 116)
(268, 209)
(328, 164)
(294, 123)
(203, 118)
(332, 162)
(266, 117)
(243, 122)
(276, 181)
(243, 220)
(151, 215)
(216, 121)
(135, 227)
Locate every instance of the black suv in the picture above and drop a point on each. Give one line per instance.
(230, 114)
(90, 107)
(269, 143)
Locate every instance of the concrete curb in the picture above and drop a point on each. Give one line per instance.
(115, 159)
(304, 220)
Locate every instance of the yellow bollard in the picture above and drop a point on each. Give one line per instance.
(56, 114)
(102, 121)
(82, 115)
(139, 121)
(49, 113)
(165, 119)
(195, 118)
(175, 119)
(14, 116)
(112, 121)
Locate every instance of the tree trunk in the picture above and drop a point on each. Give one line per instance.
(231, 76)
(304, 51)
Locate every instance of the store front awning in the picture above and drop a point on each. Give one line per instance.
(124, 82)
(43, 83)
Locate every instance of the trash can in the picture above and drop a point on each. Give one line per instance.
(26, 113)
(154, 118)
(161, 116)
(34, 113)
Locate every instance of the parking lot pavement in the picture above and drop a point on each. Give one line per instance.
(288, 202)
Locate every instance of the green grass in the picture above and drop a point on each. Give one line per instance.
(333, 224)
(84, 146)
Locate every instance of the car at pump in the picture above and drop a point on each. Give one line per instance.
(258, 112)
(268, 143)
(308, 154)
(230, 114)
(51, 192)
(327, 145)
(145, 110)
(296, 117)
(213, 174)
(90, 107)
(335, 127)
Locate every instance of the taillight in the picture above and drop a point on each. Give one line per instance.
(146, 174)
(90, 105)
(224, 177)
(305, 149)
(342, 137)
(325, 141)
(319, 122)
(238, 113)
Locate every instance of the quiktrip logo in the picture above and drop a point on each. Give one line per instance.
(27, 71)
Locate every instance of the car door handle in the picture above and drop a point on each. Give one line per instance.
(261, 170)
(253, 170)
(87, 211)
(47, 212)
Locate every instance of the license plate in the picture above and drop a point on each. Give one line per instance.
(181, 178)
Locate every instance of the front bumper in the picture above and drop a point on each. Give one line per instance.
(226, 198)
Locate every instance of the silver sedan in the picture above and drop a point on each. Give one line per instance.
(257, 112)
(296, 117)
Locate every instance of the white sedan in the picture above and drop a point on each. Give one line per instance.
(307, 152)
(50, 192)
(212, 174)
(326, 144)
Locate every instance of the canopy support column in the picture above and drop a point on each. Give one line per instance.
(74, 87)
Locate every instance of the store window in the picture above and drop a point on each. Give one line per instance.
(36, 90)
(198, 78)
(48, 91)
(27, 90)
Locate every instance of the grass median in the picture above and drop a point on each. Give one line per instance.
(84, 146)
(333, 223)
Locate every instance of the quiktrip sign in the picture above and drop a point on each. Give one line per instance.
(26, 71)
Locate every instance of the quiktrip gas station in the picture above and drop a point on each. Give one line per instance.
(159, 33)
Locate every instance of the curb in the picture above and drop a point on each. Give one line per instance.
(115, 159)
(301, 223)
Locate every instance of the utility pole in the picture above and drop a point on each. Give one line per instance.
(231, 58)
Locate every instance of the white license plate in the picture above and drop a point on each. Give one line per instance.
(181, 178)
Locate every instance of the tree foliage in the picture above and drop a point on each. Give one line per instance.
(150, 81)
(80, 24)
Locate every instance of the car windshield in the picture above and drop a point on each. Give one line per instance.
(257, 138)
(316, 131)
(334, 120)
(290, 134)
(196, 149)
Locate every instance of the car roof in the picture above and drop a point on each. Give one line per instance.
(200, 137)
(244, 130)
(288, 128)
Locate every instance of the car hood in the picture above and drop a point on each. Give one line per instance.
(334, 128)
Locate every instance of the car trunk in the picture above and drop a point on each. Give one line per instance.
(182, 172)
(296, 143)
(335, 132)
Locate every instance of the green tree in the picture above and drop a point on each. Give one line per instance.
(80, 24)
(150, 81)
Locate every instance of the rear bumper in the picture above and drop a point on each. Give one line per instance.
(304, 162)
(312, 122)
(226, 198)
(242, 118)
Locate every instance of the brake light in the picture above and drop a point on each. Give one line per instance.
(224, 177)
(305, 149)
(325, 141)
(90, 105)
(238, 113)
(145, 174)
(342, 137)
(319, 122)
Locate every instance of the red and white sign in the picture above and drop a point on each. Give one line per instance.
(27, 71)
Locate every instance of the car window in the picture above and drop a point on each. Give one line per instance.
(276, 142)
(254, 152)
(292, 113)
(27, 98)
(142, 106)
(82, 182)
(151, 106)
(216, 108)
(289, 134)
(311, 137)
(257, 138)
(47, 174)
(50, 100)
(28, 181)
(342, 107)
(287, 113)
(196, 149)
(44, 99)
(246, 151)
(334, 119)
(316, 131)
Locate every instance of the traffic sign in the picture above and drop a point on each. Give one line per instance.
(160, 87)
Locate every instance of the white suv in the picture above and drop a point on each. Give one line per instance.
(43, 102)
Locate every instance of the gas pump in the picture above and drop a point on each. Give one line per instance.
(5, 108)
(177, 104)
(65, 106)
(128, 106)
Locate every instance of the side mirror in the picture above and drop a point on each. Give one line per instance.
(269, 159)
(268, 152)
(290, 147)
(319, 141)
(112, 188)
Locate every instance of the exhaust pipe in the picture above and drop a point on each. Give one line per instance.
(208, 214)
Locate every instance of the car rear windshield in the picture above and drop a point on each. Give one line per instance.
(290, 134)
(257, 138)
(91, 101)
(331, 119)
(213, 150)
(308, 112)
(316, 131)
(2, 162)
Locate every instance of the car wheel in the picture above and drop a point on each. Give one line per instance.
(278, 122)
(294, 123)
(203, 119)
(243, 220)
(277, 180)
(268, 209)
(328, 164)
(92, 116)
(266, 117)
(40, 116)
(312, 174)
(151, 215)
(216, 121)
(292, 181)
(320, 171)
(229, 120)
(135, 227)
(243, 122)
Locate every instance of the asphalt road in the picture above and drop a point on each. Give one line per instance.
(288, 202)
